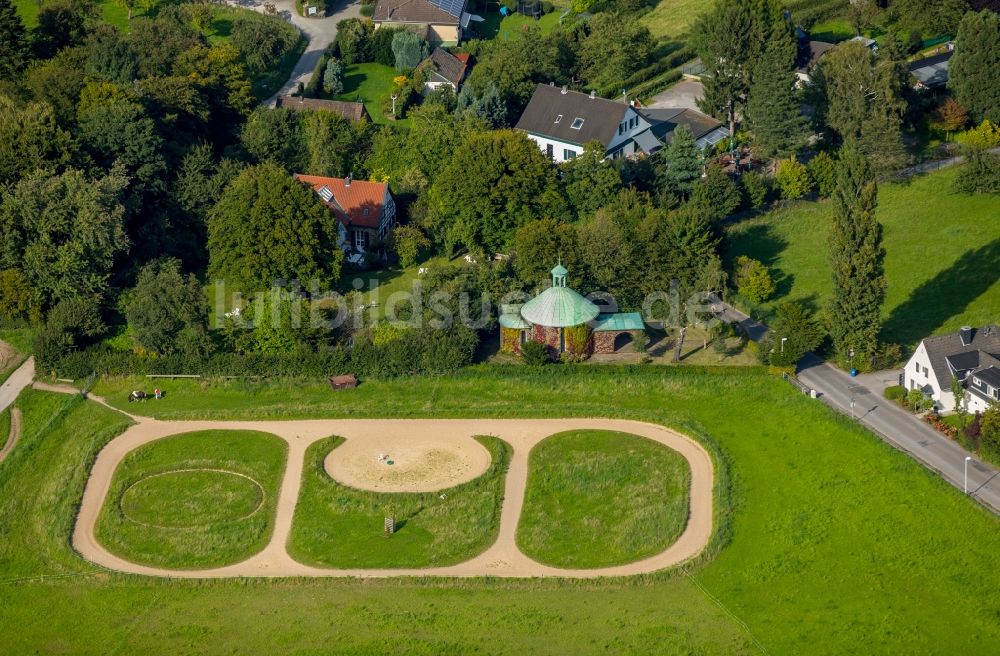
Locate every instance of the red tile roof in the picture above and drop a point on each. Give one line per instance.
(359, 203)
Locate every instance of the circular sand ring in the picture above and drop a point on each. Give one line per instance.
(424, 464)
(260, 503)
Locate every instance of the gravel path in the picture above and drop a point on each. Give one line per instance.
(17, 381)
(503, 559)
(14, 435)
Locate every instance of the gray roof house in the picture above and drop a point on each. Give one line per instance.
(445, 68)
(931, 72)
(972, 355)
(562, 122)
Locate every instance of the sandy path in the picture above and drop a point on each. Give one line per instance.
(15, 433)
(502, 559)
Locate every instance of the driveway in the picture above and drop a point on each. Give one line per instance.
(319, 31)
(683, 94)
(862, 399)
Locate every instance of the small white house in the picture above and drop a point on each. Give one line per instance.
(972, 355)
(562, 122)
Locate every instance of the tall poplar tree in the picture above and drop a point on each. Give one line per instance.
(856, 258)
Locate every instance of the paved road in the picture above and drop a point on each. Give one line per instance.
(683, 94)
(17, 381)
(319, 31)
(892, 423)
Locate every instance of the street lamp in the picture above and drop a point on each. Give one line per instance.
(783, 340)
(850, 354)
(967, 459)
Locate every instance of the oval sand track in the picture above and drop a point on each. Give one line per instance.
(502, 559)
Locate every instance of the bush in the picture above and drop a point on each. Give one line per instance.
(263, 40)
(333, 78)
(916, 401)
(757, 188)
(753, 280)
(535, 354)
(408, 49)
(792, 178)
(895, 393)
(979, 175)
(983, 137)
(823, 170)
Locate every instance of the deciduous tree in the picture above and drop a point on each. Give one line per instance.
(167, 312)
(268, 226)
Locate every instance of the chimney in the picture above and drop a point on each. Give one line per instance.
(966, 333)
(564, 90)
(347, 180)
(624, 97)
(593, 94)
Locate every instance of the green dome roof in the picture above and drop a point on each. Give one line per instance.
(559, 307)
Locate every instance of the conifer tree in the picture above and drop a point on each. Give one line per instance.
(773, 109)
(683, 163)
(13, 41)
(974, 70)
(856, 258)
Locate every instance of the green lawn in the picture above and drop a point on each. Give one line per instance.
(20, 339)
(601, 498)
(942, 255)
(168, 508)
(112, 11)
(511, 27)
(371, 84)
(338, 526)
(827, 541)
(4, 426)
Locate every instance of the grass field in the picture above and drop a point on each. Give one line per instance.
(942, 255)
(371, 84)
(195, 500)
(511, 27)
(112, 11)
(827, 540)
(602, 498)
(338, 526)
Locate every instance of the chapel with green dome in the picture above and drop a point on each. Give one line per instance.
(567, 322)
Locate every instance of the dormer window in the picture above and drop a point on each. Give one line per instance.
(559, 118)
(577, 123)
(365, 211)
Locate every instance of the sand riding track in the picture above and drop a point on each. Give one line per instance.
(502, 559)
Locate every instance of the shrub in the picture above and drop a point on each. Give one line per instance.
(408, 242)
(408, 49)
(979, 175)
(578, 339)
(717, 192)
(757, 188)
(895, 393)
(333, 78)
(974, 427)
(916, 400)
(823, 171)
(753, 280)
(535, 354)
(263, 40)
(792, 178)
(983, 137)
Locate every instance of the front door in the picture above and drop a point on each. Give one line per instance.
(360, 239)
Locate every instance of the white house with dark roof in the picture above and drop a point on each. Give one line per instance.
(561, 122)
(972, 355)
(438, 21)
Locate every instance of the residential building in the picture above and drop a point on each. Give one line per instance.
(445, 69)
(810, 53)
(562, 122)
(931, 72)
(365, 211)
(438, 21)
(352, 111)
(972, 355)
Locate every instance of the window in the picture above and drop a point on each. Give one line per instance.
(360, 239)
(558, 118)
(365, 211)
(925, 372)
(577, 123)
(569, 154)
(621, 128)
(548, 151)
